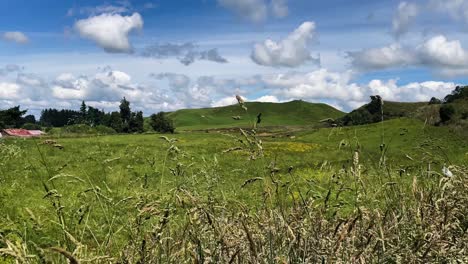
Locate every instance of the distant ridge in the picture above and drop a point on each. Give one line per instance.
(293, 113)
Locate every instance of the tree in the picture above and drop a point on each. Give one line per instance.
(12, 118)
(115, 121)
(458, 93)
(59, 118)
(31, 126)
(160, 123)
(29, 119)
(435, 101)
(446, 112)
(83, 112)
(139, 122)
(125, 114)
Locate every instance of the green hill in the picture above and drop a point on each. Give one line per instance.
(372, 112)
(273, 114)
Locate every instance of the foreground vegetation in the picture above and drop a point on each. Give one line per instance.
(372, 193)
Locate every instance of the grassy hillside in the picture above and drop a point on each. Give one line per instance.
(372, 112)
(142, 199)
(273, 114)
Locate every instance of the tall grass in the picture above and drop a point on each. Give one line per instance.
(355, 213)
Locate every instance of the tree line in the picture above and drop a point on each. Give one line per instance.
(122, 121)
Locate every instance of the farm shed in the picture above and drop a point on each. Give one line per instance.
(21, 133)
(36, 133)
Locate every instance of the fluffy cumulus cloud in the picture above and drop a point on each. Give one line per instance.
(108, 85)
(415, 91)
(289, 52)
(110, 31)
(15, 36)
(381, 58)
(9, 91)
(442, 52)
(187, 53)
(444, 56)
(315, 85)
(404, 17)
(339, 88)
(231, 100)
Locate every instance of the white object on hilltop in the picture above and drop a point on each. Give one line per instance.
(447, 172)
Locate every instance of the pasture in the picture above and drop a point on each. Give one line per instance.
(372, 192)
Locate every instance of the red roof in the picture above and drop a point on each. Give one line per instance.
(18, 133)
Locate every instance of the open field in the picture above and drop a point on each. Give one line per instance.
(315, 195)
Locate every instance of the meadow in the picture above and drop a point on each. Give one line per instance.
(371, 193)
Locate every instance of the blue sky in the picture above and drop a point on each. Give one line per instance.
(167, 54)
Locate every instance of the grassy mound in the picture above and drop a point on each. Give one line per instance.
(273, 114)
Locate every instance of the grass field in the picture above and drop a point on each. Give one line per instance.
(314, 195)
(273, 114)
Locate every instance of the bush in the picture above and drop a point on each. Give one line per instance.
(464, 115)
(31, 126)
(86, 129)
(435, 101)
(104, 130)
(161, 123)
(446, 112)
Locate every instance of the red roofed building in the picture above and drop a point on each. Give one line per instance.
(18, 133)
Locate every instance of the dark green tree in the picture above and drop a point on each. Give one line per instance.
(115, 122)
(12, 118)
(446, 112)
(83, 113)
(29, 119)
(458, 93)
(435, 101)
(161, 123)
(125, 114)
(139, 122)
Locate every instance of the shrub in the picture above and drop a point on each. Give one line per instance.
(446, 112)
(435, 101)
(161, 123)
(31, 126)
(104, 130)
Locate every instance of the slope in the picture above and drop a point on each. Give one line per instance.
(292, 113)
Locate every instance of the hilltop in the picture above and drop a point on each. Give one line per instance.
(273, 114)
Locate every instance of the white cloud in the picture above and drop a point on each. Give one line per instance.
(457, 9)
(230, 100)
(267, 99)
(110, 31)
(15, 36)
(437, 53)
(252, 10)
(109, 85)
(403, 18)
(109, 9)
(339, 89)
(279, 8)
(10, 68)
(177, 81)
(289, 52)
(380, 58)
(441, 52)
(9, 91)
(315, 85)
(187, 53)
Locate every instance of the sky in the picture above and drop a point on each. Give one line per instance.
(164, 55)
